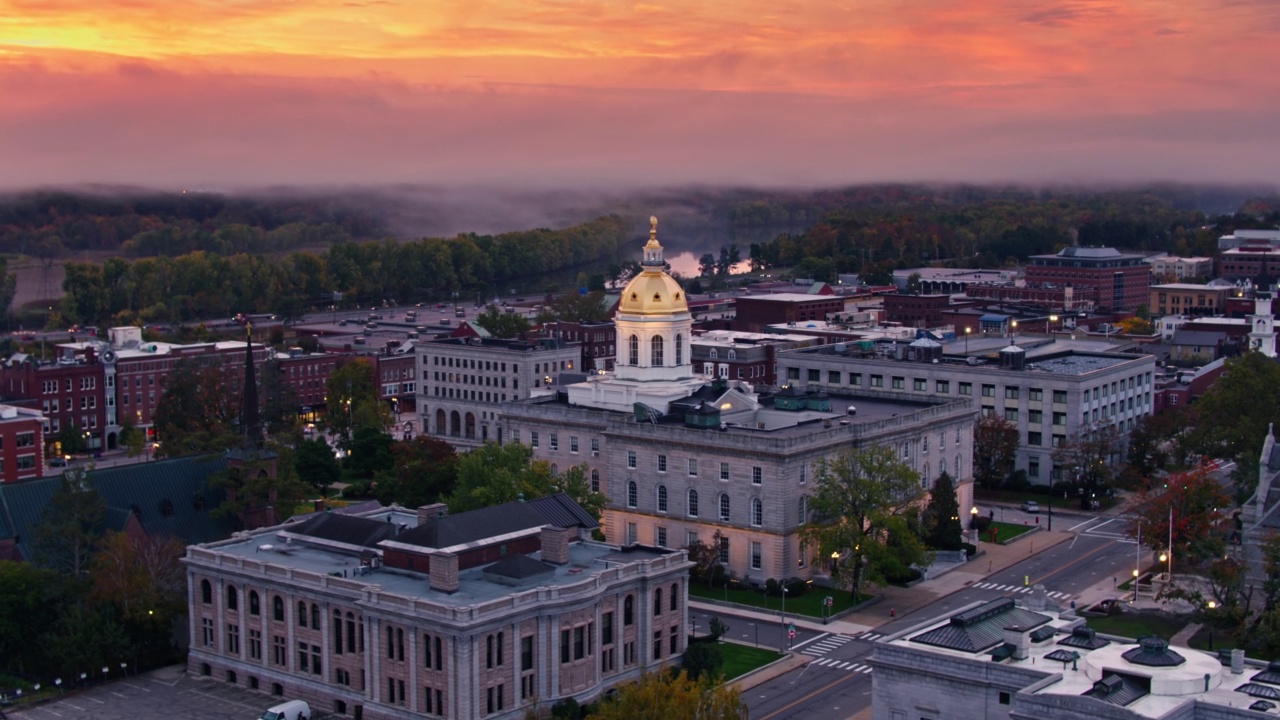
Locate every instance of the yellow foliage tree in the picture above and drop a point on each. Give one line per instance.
(663, 696)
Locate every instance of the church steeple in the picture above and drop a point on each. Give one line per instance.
(249, 420)
(652, 260)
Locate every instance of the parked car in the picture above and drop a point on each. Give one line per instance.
(57, 462)
(1030, 506)
(289, 710)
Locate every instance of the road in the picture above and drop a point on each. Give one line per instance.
(837, 683)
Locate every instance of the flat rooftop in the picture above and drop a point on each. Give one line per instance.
(792, 297)
(1045, 359)
(1153, 678)
(269, 546)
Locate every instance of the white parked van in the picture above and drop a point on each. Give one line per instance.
(290, 710)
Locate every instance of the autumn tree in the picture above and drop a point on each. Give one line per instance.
(353, 401)
(576, 308)
(942, 527)
(672, 697)
(1195, 498)
(199, 410)
(140, 576)
(1235, 414)
(705, 558)
(502, 324)
(1089, 459)
(860, 502)
(493, 474)
(70, 525)
(574, 483)
(423, 470)
(995, 447)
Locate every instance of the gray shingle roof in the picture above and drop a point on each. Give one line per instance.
(981, 627)
(557, 510)
(561, 511)
(345, 529)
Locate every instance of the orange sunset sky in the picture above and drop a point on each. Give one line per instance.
(235, 93)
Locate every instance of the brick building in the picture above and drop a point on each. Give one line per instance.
(20, 452)
(1119, 279)
(1186, 299)
(599, 350)
(752, 357)
(916, 310)
(1257, 262)
(755, 312)
(395, 614)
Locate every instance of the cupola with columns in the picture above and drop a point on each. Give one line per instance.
(653, 322)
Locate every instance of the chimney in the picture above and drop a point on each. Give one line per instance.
(1237, 662)
(434, 510)
(444, 573)
(1020, 640)
(555, 545)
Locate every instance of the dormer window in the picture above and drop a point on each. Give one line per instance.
(635, 296)
(677, 296)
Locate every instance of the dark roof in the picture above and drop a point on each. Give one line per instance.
(1119, 688)
(1084, 637)
(982, 627)
(1064, 656)
(1043, 633)
(557, 510)
(1262, 706)
(1260, 691)
(519, 567)
(345, 529)
(353, 509)
(1153, 651)
(1271, 675)
(561, 511)
(171, 497)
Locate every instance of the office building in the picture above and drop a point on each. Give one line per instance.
(1119, 279)
(403, 614)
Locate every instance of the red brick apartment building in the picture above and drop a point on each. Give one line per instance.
(1119, 279)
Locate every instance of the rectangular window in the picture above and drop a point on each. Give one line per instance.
(724, 549)
(833, 377)
(1034, 439)
(757, 561)
(1059, 418)
(814, 376)
(564, 646)
(1035, 395)
(942, 386)
(255, 644)
(206, 626)
(724, 471)
(855, 379)
(1011, 414)
(631, 459)
(988, 391)
(693, 467)
(595, 445)
(1059, 440)
(1060, 396)
(1033, 468)
(1035, 416)
(877, 381)
(966, 388)
(660, 536)
(1011, 393)
(573, 444)
(579, 643)
(554, 443)
(899, 383)
(25, 439)
(662, 463)
(918, 384)
(793, 373)
(606, 629)
(526, 653)
(757, 475)
(278, 650)
(533, 440)
(304, 658)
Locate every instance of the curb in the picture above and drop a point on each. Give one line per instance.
(1032, 531)
(763, 674)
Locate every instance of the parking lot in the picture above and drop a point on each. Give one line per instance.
(164, 694)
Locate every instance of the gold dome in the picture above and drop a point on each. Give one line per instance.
(653, 291)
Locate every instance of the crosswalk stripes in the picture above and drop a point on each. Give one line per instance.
(1057, 595)
(869, 636)
(826, 645)
(843, 665)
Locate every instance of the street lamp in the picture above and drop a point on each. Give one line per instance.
(1053, 320)
(966, 340)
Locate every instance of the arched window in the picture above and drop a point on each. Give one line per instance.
(254, 608)
(714, 354)
(302, 614)
(675, 596)
(679, 349)
(657, 601)
(315, 616)
(757, 512)
(595, 480)
(206, 592)
(655, 351)
(631, 493)
(233, 598)
(724, 508)
(277, 608)
(662, 498)
(733, 355)
(693, 503)
(629, 610)
(633, 351)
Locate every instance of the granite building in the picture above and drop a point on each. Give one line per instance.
(404, 614)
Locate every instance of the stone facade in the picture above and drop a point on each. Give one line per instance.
(348, 645)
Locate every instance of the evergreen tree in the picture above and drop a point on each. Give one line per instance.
(70, 525)
(943, 530)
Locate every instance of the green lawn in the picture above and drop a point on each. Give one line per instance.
(1133, 625)
(742, 659)
(809, 604)
(1008, 531)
